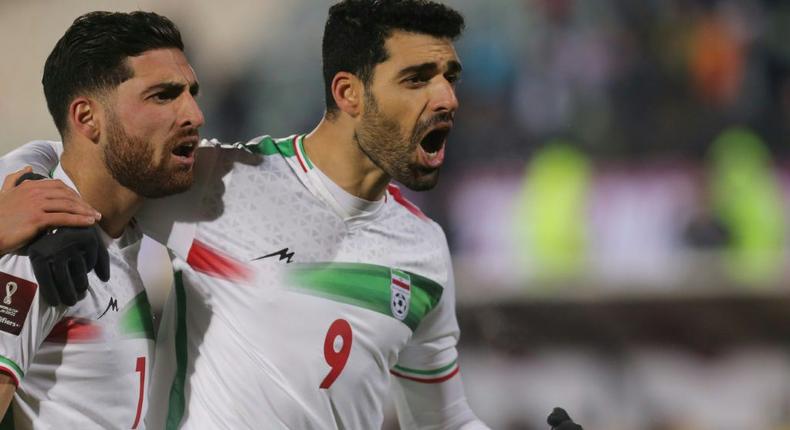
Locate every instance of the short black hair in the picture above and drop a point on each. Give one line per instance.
(91, 55)
(356, 31)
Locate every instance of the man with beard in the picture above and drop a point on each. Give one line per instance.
(307, 280)
(304, 280)
(120, 91)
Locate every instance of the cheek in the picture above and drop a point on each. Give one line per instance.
(401, 105)
(146, 121)
(152, 129)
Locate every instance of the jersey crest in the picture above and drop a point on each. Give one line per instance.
(400, 287)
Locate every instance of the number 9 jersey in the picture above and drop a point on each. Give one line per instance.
(295, 305)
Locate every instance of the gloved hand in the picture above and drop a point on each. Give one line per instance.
(559, 420)
(62, 258)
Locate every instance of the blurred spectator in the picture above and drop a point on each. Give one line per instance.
(748, 200)
(551, 211)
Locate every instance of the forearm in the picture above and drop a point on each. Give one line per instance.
(41, 155)
(434, 406)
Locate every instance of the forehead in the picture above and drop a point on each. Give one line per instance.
(161, 65)
(406, 49)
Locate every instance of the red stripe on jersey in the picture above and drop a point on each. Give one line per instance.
(427, 380)
(395, 191)
(298, 155)
(400, 283)
(207, 260)
(74, 330)
(9, 372)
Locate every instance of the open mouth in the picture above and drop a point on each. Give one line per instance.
(431, 150)
(185, 149)
(434, 141)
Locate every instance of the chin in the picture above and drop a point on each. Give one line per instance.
(175, 184)
(421, 182)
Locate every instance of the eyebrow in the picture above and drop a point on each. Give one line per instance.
(194, 89)
(452, 67)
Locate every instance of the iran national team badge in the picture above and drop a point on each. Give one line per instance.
(400, 286)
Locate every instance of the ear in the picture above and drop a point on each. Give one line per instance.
(84, 118)
(347, 92)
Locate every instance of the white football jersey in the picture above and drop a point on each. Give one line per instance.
(294, 304)
(290, 310)
(81, 367)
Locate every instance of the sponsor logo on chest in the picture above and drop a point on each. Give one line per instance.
(400, 288)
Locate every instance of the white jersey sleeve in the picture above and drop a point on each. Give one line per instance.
(428, 391)
(25, 320)
(42, 155)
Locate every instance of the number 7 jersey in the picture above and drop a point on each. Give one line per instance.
(289, 310)
(84, 366)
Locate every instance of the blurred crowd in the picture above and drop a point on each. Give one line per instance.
(603, 149)
(587, 132)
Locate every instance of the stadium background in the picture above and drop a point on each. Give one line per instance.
(615, 194)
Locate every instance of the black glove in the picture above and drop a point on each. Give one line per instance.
(62, 258)
(559, 420)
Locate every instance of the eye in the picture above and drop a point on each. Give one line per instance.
(416, 80)
(453, 78)
(166, 93)
(164, 96)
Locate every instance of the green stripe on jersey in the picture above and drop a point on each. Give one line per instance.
(369, 286)
(176, 405)
(137, 319)
(12, 365)
(433, 372)
(266, 146)
(270, 146)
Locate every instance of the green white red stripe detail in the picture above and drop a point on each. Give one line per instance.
(432, 376)
(401, 279)
(11, 369)
(305, 162)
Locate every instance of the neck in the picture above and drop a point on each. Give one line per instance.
(332, 148)
(88, 171)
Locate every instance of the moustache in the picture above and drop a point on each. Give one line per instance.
(422, 127)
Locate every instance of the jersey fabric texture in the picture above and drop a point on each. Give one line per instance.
(294, 306)
(289, 310)
(85, 366)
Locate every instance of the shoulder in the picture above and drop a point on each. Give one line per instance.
(261, 145)
(419, 235)
(42, 155)
(415, 213)
(16, 265)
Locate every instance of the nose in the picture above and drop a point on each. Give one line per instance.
(191, 115)
(443, 98)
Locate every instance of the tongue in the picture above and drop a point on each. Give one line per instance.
(432, 161)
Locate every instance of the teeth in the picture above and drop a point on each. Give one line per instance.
(432, 154)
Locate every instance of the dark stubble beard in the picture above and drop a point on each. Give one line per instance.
(383, 141)
(130, 162)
